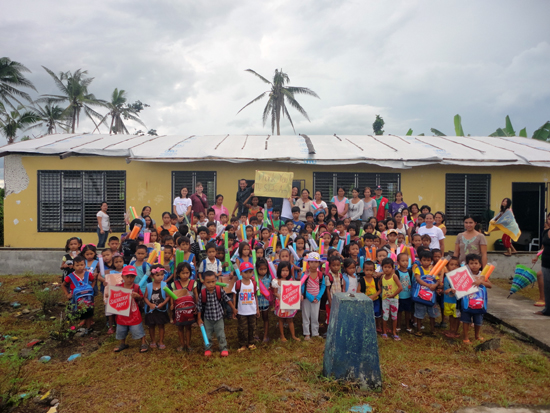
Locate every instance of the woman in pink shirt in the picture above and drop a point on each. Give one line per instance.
(341, 202)
(219, 208)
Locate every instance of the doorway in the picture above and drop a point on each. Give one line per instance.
(529, 206)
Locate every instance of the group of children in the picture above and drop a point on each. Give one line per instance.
(236, 269)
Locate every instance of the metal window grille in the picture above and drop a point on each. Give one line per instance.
(68, 201)
(466, 194)
(328, 183)
(190, 179)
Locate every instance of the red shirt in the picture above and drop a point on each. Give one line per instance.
(70, 282)
(381, 211)
(134, 318)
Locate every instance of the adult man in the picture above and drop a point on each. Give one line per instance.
(243, 195)
(199, 200)
(382, 204)
(434, 232)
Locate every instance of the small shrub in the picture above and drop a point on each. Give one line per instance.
(66, 326)
(12, 377)
(47, 297)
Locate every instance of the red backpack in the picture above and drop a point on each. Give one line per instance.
(184, 307)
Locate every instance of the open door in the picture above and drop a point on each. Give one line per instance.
(529, 203)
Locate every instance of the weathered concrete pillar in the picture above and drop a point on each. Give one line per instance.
(351, 349)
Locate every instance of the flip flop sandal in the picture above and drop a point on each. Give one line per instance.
(162, 346)
(466, 341)
(384, 336)
(418, 334)
(252, 347)
(120, 348)
(153, 345)
(241, 350)
(179, 349)
(540, 304)
(143, 348)
(480, 339)
(397, 338)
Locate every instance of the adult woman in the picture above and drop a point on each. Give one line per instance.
(288, 203)
(182, 205)
(318, 203)
(470, 241)
(166, 224)
(414, 212)
(397, 205)
(355, 205)
(149, 223)
(440, 221)
(436, 235)
(304, 203)
(146, 212)
(543, 277)
(219, 208)
(341, 202)
(103, 225)
(369, 205)
(506, 222)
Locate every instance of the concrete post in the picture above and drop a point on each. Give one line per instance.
(351, 349)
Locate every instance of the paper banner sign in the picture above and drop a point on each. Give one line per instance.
(290, 295)
(120, 301)
(461, 280)
(273, 184)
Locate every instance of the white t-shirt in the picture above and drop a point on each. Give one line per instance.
(182, 204)
(435, 234)
(355, 211)
(104, 220)
(286, 210)
(368, 209)
(352, 287)
(246, 299)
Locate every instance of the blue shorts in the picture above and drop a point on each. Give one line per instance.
(405, 304)
(377, 309)
(137, 331)
(420, 311)
(467, 318)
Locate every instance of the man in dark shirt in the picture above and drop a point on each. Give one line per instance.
(243, 195)
(199, 200)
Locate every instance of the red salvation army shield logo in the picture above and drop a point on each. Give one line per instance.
(120, 300)
(291, 294)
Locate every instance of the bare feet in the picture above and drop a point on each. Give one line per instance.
(283, 339)
(296, 338)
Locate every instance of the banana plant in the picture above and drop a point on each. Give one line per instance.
(458, 128)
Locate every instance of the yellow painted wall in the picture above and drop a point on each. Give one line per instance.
(149, 183)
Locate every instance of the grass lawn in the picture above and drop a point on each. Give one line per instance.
(420, 374)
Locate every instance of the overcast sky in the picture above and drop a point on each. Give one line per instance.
(416, 63)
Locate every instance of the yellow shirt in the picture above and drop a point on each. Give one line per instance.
(389, 287)
(370, 287)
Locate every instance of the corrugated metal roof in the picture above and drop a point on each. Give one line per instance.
(388, 150)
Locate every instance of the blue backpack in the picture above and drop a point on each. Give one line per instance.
(83, 292)
(162, 293)
(421, 294)
(475, 303)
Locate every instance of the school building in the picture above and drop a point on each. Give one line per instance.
(55, 184)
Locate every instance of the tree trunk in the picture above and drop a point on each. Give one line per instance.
(74, 119)
(278, 119)
(112, 121)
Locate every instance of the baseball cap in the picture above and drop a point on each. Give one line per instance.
(392, 231)
(246, 266)
(377, 188)
(129, 270)
(313, 256)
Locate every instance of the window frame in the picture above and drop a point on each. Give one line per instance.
(84, 188)
(194, 180)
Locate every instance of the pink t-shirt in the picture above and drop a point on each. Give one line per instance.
(219, 211)
(340, 205)
(313, 286)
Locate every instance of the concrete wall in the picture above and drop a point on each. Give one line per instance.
(17, 261)
(150, 183)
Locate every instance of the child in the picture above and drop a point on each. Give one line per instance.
(202, 233)
(333, 282)
(132, 322)
(391, 235)
(449, 301)
(371, 288)
(276, 222)
(89, 252)
(72, 248)
(81, 286)
(210, 312)
(283, 274)
(210, 263)
(253, 207)
(247, 306)
(391, 287)
(350, 283)
(297, 225)
(424, 279)
(244, 254)
(114, 244)
(426, 240)
(313, 289)
(474, 305)
(300, 246)
(184, 244)
(381, 254)
(156, 308)
(184, 307)
(168, 264)
(353, 250)
(143, 269)
(405, 300)
(263, 304)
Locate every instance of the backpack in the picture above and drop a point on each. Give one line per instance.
(184, 307)
(150, 292)
(422, 294)
(238, 285)
(83, 292)
(475, 303)
(218, 265)
(92, 267)
(321, 279)
(204, 296)
(128, 249)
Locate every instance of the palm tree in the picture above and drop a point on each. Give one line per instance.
(74, 89)
(276, 104)
(51, 117)
(15, 120)
(11, 77)
(119, 109)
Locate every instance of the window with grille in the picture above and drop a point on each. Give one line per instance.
(68, 201)
(466, 194)
(329, 182)
(190, 179)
